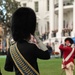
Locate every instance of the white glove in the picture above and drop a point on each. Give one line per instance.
(72, 46)
(40, 44)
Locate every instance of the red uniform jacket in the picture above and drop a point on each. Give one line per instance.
(66, 51)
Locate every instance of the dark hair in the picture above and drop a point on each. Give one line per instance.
(23, 23)
(70, 40)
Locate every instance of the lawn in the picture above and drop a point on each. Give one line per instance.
(46, 67)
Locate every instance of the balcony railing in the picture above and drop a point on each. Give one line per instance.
(65, 3)
(54, 32)
(56, 5)
(67, 29)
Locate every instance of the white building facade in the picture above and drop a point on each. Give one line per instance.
(56, 17)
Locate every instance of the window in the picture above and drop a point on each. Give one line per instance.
(36, 6)
(37, 31)
(54, 34)
(24, 4)
(47, 5)
(37, 26)
(64, 24)
(48, 25)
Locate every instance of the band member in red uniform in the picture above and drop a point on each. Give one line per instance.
(68, 56)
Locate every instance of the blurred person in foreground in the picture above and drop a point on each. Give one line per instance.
(3, 42)
(22, 56)
(68, 56)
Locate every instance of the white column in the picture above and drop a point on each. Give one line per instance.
(73, 32)
(51, 16)
(60, 19)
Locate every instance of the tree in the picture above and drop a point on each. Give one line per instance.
(7, 7)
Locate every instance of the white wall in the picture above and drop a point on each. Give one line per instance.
(56, 22)
(70, 19)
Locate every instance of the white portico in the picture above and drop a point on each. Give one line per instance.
(55, 17)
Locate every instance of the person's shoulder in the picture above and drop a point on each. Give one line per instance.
(32, 44)
(12, 43)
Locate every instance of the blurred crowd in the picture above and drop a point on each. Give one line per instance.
(44, 36)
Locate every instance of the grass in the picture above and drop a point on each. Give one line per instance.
(50, 67)
(2, 62)
(46, 67)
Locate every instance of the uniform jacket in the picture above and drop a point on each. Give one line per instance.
(30, 52)
(66, 51)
